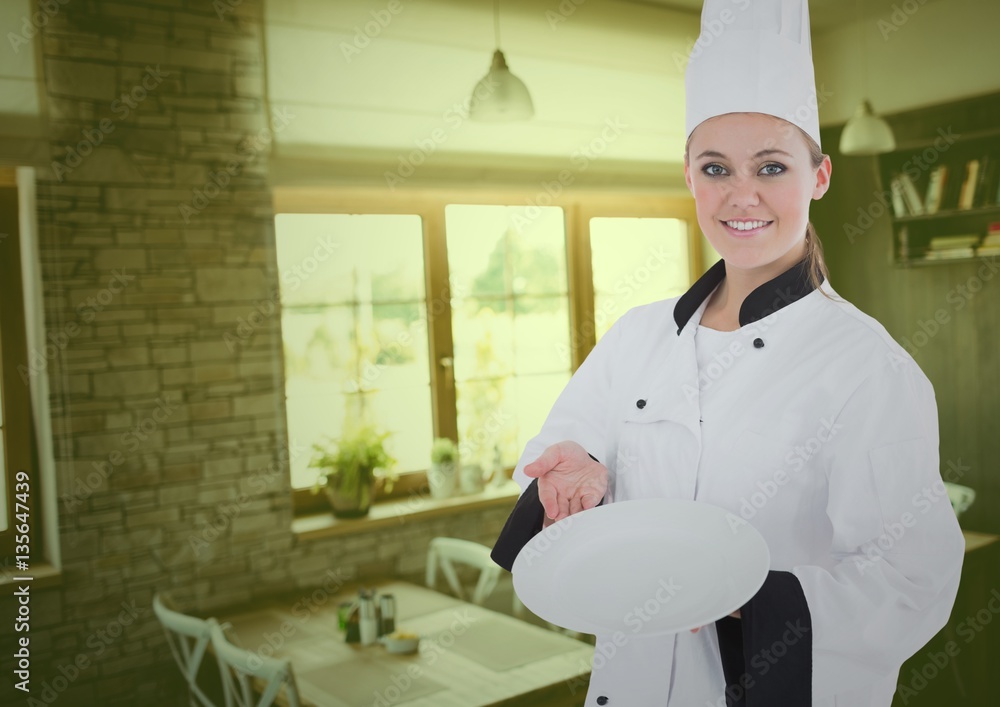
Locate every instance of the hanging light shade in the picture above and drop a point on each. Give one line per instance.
(866, 133)
(500, 96)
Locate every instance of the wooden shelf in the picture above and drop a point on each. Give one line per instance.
(921, 262)
(973, 124)
(950, 213)
(394, 512)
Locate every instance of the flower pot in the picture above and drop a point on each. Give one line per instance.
(441, 479)
(350, 499)
(471, 479)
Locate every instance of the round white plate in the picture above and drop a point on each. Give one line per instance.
(650, 566)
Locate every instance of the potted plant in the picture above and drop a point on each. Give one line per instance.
(444, 461)
(348, 470)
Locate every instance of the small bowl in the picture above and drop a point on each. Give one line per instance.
(396, 644)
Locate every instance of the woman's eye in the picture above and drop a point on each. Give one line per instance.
(708, 169)
(778, 168)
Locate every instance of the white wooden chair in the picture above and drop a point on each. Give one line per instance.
(445, 551)
(239, 666)
(188, 638)
(961, 497)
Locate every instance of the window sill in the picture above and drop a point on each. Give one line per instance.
(393, 512)
(43, 576)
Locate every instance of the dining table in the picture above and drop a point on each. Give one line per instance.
(468, 656)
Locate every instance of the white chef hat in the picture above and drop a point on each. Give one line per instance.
(753, 56)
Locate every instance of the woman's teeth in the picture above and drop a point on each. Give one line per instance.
(746, 225)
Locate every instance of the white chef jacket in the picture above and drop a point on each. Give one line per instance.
(820, 431)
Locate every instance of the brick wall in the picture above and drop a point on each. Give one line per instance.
(156, 234)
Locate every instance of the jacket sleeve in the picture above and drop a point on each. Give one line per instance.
(897, 549)
(579, 414)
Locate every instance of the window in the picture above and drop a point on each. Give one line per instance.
(510, 324)
(354, 326)
(635, 261)
(457, 314)
(16, 433)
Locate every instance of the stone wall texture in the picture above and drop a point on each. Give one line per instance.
(157, 238)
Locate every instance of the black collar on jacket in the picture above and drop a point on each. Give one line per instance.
(788, 287)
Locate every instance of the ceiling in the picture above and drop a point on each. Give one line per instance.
(823, 14)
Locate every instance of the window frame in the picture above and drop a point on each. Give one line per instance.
(18, 425)
(429, 204)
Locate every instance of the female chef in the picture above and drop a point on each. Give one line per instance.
(762, 391)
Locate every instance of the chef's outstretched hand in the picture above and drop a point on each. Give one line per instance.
(569, 481)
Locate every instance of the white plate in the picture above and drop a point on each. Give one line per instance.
(654, 566)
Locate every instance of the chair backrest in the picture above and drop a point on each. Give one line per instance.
(188, 638)
(239, 666)
(446, 551)
(961, 497)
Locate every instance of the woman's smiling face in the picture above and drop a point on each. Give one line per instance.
(752, 179)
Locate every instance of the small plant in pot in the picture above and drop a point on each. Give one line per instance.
(348, 470)
(444, 464)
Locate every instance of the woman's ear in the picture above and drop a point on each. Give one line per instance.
(687, 178)
(823, 173)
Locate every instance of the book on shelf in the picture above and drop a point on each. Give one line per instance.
(968, 190)
(950, 253)
(949, 200)
(963, 240)
(986, 184)
(991, 239)
(898, 204)
(911, 197)
(988, 250)
(935, 189)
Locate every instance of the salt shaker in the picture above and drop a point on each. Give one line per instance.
(387, 605)
(368, 619)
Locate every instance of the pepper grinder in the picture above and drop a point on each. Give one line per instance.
(353, 626)
(387, 622)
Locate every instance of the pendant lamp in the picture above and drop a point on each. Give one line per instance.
(866, 133)
(500, 96)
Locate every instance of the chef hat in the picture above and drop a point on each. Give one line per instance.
(753, 56)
